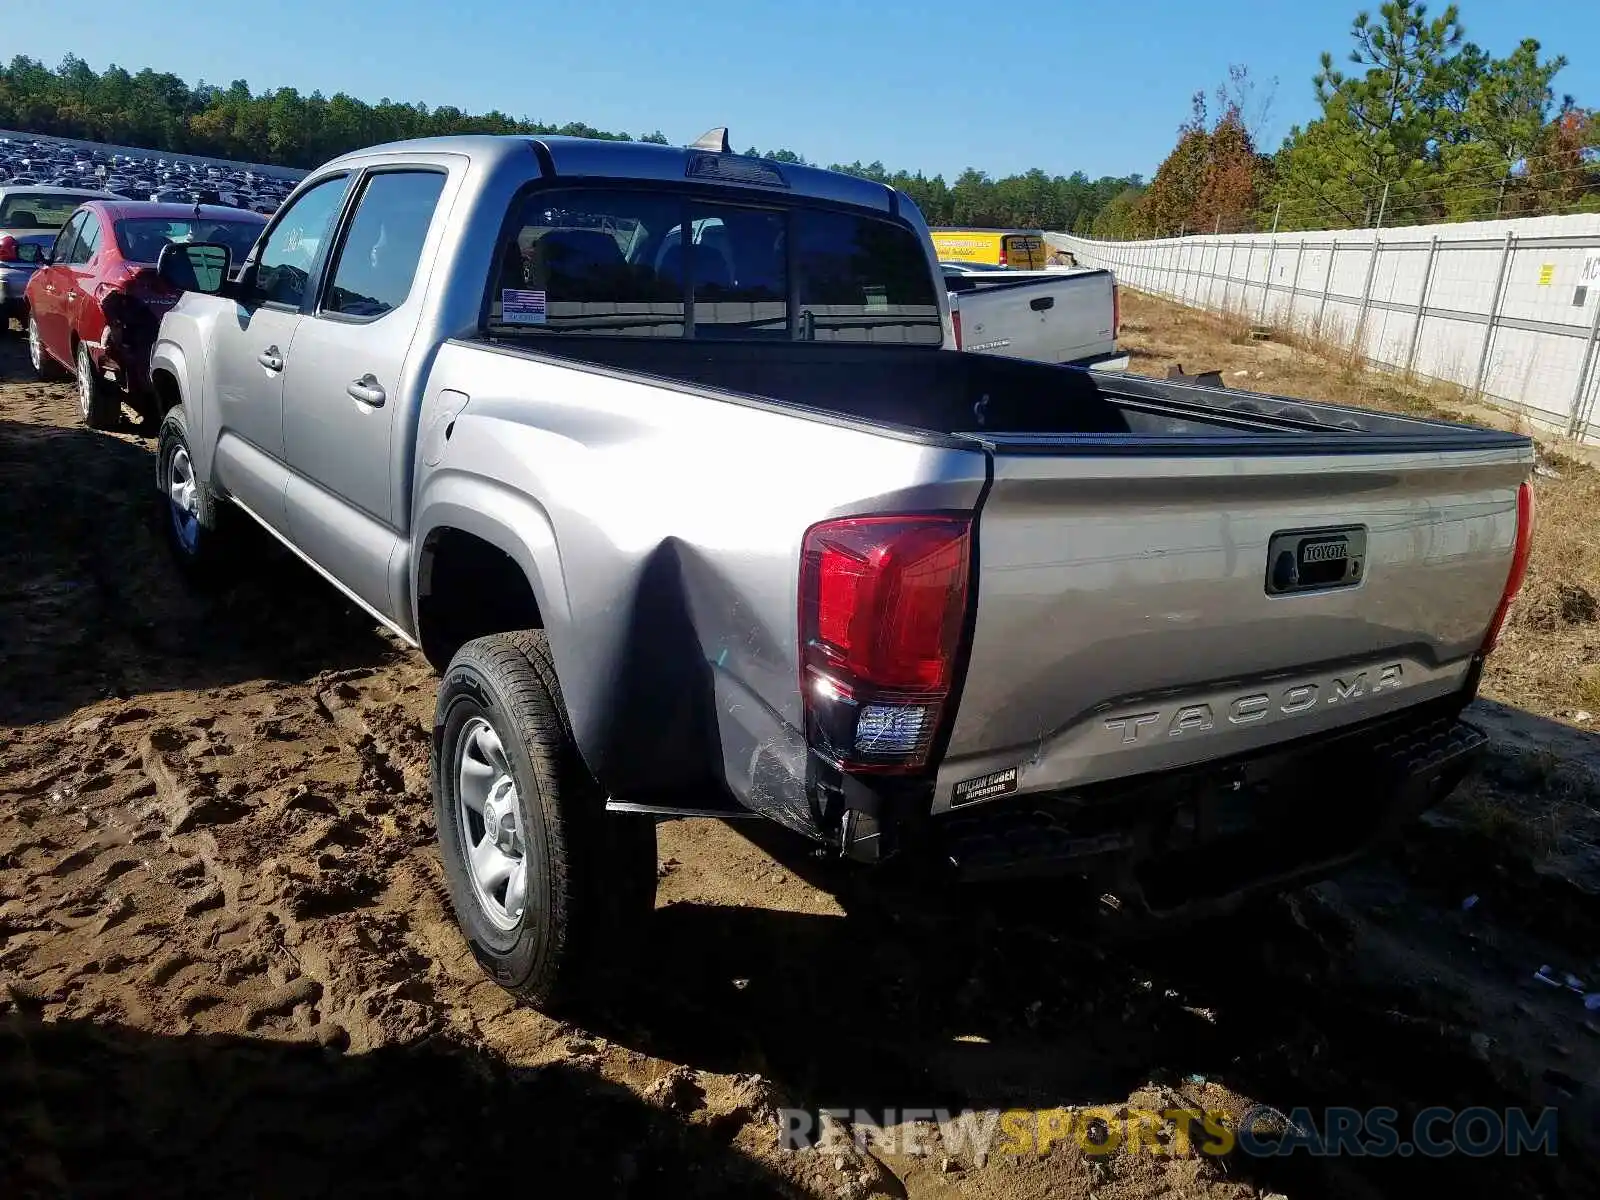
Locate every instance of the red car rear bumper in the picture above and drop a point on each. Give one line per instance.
(130, 334)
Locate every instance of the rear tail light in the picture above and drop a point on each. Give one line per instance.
(8, 249)
(132, 301)
(955, 319)
(1526, 511)
(883, 601)
(1116, 308)
(1004, 262)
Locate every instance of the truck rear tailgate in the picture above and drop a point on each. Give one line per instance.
(1047, 316)
(1137, 612)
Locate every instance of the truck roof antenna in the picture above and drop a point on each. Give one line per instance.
(715, 140)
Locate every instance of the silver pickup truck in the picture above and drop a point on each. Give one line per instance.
(662, 457)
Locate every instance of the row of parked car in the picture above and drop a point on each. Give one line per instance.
(139, 176)
(78, 273)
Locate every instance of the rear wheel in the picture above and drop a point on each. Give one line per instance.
(44, 367)
(98, 403)
(546, 885)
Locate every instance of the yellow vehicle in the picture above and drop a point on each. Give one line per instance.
(1018, 249)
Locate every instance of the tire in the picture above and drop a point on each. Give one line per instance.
(190, 514)
(98, 403)
(44, 367)
(562, 888)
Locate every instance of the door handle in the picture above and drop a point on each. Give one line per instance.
(1040, 303)
(270, 359)
(367, 390)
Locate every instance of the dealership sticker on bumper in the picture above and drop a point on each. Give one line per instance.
(985, 787)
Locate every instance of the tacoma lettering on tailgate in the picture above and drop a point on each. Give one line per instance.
(1286, 700)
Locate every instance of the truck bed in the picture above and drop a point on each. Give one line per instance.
(1020, 404)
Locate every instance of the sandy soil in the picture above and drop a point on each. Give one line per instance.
(226, 963)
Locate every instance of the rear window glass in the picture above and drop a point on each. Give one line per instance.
(658, 264)
(140, 239)
(22, 210)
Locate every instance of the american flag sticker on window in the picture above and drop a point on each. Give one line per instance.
(520, 306)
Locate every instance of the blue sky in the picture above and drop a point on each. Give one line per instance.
(937, 85)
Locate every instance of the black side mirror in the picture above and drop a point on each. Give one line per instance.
(194, 266)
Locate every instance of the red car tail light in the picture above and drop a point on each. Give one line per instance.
(8, 249)
(1526, 512)
(955, 319)
(882, 604)
(132, 300)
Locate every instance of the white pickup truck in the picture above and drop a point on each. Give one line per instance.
(1049, 316)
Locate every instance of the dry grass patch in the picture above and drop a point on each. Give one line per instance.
(1549, 655)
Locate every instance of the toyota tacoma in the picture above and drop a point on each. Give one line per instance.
(664, 458)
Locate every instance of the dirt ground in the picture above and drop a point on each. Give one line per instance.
(227, 966)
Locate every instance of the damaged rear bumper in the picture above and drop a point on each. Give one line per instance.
(1205, 838)
(124, 352)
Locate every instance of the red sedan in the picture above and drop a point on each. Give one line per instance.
(95, 305)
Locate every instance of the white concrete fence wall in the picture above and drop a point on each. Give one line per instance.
(1507, 309)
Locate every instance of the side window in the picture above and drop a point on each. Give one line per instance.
(67, 238)
(88, 241)
(377, 261)
(290, 251)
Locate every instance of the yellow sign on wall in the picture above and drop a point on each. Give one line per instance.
(1546, 273)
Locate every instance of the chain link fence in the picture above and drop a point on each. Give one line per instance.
(1508, 310)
